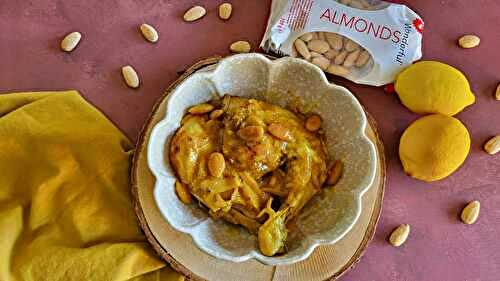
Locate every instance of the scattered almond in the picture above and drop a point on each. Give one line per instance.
(216, 164)
(313, 123)
(216, 113)
(225, 11)
(183, 193)
(149, 32)
(240, 47)
(399, 235)
(469, 41)
(251, 133)
(279, 131)
(497, 93)
(201, 108)
(70, 41)
(493, 145)
(194, 13)
(471, 212)
(335, 173)
(130, 76)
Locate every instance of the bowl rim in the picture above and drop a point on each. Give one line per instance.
(255, 253)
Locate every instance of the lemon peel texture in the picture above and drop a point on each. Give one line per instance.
(434, 87)
(433, 147)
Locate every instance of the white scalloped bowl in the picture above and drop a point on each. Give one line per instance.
(327, 217)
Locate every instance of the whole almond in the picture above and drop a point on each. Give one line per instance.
(70, 41)
(321, 62)
(497, 93)
(194, 13)
(149, 32)
(313, 123)
(469, 41)
(493, 145)
(314, 54)
(351, 59)
(240, 47)
(321, 36)
(334, 40)
(251, 133)
(471, 212)
(399, 235)
(130, 76)
(318, 46)
(225, 11)
(362, 59)
(201, 109)
(216, 164)
(302, 49)
(183, 193)
(306, 37)
(339, 59)
(279, 131)
(337, 70)
(335, 173)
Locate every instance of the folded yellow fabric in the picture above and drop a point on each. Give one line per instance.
(65, 206)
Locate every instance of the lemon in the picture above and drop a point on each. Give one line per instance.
(433, 147)
(434, 87)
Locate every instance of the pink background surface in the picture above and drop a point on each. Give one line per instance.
(439, 246)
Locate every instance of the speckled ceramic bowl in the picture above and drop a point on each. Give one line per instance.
(326, 218)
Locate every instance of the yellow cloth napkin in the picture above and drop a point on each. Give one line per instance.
(65, 203)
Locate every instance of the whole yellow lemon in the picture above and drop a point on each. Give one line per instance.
(434, 87)
(433, 147)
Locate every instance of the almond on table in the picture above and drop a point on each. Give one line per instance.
(195, 13)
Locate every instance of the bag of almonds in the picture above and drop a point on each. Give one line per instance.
(366, 41)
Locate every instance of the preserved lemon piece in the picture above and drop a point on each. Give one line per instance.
(434, 87)
(433, 147)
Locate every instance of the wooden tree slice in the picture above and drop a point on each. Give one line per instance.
(327, 262)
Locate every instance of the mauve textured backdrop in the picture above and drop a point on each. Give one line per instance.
(440, 247)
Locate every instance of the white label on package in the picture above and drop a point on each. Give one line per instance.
(368, 42)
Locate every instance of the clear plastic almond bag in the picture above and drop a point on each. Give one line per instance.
(366, 41)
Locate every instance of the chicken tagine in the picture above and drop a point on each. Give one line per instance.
(252, 164)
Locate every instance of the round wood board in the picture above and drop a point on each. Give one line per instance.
(327, 262)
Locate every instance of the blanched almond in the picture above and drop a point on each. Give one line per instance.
(469, 41)
(251, 133)
(471, 212)
(334, 40)
(216, 113)
(130, 76)
(351, 59)
(321, 62)
(306, 37)
(339, 59)
(362, 59)
(497, 93)
(302, 49)
(318, 46)
(337, 70)
(194, 13)
(70, 41)
(149, 32)
(240, 47)
(216, 164)
(183, 193)
(225, 11)
(335, 173)
(201, 109)
(399, 235)
(330, 54)
(493, 145)
(279, 131)
(350, 45)
(313, 123)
